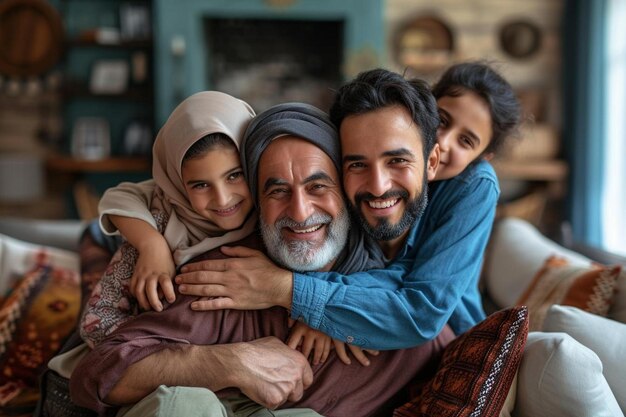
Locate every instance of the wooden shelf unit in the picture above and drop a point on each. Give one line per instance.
(538, 170)
(89, 43)
(68, 164)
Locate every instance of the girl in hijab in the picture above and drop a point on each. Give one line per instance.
(198, 200)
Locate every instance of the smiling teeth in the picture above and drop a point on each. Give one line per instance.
(309, 230)
(228, 210)
(382, 204)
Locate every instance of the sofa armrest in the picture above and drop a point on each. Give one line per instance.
(64, 234)
(598, 255)
(516, 252)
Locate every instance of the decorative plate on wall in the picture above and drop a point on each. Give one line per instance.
(520, 38)
(31, 37)
(425, 43)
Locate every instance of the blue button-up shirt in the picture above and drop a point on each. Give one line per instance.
(432, 281)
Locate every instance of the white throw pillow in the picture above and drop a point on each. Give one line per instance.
(17, 258)
(516, 252)
(559, 377)
(607, 338)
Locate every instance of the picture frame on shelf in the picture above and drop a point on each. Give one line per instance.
(91, 138)
(139, 67)
(137, 139)
(135, 22)
(109, 77)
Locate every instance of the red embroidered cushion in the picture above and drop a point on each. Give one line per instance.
(476, 370)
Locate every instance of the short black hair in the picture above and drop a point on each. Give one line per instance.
(482, 79)
(208, 143)
(378, 88)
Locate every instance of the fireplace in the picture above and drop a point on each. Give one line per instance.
(263, 51)
(271, 61)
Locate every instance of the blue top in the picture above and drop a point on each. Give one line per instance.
(432, 281)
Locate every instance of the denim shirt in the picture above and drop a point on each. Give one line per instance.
(432, 281)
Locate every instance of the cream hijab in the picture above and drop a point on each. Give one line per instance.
(187, 233)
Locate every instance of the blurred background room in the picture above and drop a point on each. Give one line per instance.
(86, 84)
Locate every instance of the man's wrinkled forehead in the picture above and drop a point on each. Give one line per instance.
(287, 154)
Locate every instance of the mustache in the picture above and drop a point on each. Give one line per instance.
(314, 219)
(361, 197)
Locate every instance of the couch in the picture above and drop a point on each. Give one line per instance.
(573, 360)
(573, 363)
(47, 267)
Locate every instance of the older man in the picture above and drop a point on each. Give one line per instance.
(291, 153)
(388, 129)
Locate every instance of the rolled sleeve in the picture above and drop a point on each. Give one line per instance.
(101, 369)
(127, 199)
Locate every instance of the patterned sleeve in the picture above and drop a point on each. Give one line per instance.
(111, 303)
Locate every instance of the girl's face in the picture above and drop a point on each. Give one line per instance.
(464, 132)
(216, 188)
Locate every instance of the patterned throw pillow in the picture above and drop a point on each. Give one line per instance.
(18, 257)
(35, 318)
(589, 288)
(95, 252)
(476, 370)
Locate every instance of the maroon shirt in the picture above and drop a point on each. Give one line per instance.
(338, 390)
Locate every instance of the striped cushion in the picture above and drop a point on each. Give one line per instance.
(476, 370)
(590, 288)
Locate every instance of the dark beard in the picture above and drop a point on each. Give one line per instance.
(384, 230)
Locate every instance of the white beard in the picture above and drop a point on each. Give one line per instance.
(302, 255)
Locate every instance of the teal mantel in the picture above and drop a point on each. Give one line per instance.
(181, 57)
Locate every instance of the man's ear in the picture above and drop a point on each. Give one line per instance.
(488, 156)
(433, 162)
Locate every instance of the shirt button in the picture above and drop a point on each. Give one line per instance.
(349, 339)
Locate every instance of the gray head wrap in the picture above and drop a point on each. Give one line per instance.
(298, 119)
(311, 124)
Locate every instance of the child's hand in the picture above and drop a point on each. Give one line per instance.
(152, 277)
(305, 339)
(358, 353)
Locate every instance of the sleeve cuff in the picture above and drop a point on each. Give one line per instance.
(309, 299)
(107, 227)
